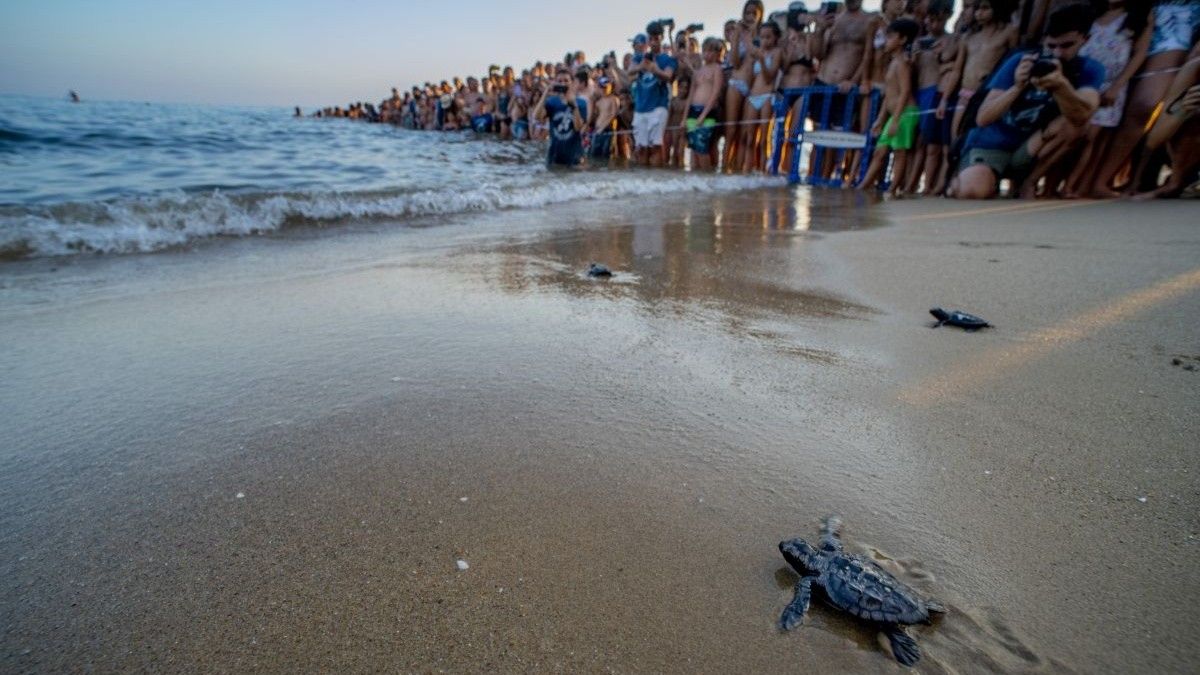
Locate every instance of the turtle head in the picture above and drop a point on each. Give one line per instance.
(800, 555)
(940, 314)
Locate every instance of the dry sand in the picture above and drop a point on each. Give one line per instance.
(269, 454)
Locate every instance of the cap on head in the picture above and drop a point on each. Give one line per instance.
(640, 39)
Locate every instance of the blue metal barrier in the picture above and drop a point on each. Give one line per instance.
(823, 97)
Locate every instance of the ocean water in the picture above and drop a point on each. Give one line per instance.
(124, 177)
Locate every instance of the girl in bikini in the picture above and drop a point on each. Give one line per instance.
(799, 72)
(745, 33)
(759, 106)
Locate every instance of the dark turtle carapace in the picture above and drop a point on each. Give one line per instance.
(957, 318)
(856, 585)
(598, 270)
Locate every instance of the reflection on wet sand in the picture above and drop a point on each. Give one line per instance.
(732, 257)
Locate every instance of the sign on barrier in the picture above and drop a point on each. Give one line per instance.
(833, 116)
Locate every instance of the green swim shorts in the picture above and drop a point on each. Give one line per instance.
(902, 135)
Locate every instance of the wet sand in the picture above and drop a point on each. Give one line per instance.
(268, 454)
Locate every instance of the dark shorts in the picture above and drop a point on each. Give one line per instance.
(699, 136)
(602, 145)
(933, 130)
(837, 108)
(1003, 163)
(564, 153)
(482, 123)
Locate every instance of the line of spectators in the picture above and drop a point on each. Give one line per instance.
(1057, 97)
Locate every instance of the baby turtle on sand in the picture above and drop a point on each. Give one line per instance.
(856, 585)
(956, 318)
(598, 270)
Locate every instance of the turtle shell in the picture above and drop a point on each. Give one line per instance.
(864, 589)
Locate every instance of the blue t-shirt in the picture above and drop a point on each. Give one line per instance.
(566, 143)
(562, 120)
(1035, 108)
(651, 93)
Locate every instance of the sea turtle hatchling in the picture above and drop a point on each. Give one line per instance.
(968, 322)
(599, 271)
(856, 585)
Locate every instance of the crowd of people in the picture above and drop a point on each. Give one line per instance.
(1053, 97)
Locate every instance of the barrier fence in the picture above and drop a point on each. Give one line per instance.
(834, 117)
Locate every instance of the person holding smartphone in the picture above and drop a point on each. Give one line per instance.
(653, 72)
(566, 112)
(1032, 97)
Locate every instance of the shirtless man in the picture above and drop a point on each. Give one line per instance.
(992, 36)
(842, 43)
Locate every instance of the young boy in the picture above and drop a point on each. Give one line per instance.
(992, 35)
(903, 115)
(932, 60)
(702, 106)
(607, 107)
(675, 140)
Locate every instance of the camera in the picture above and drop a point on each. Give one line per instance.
(926, 42)
(1043, 66)
(669, 24)
(797, 16)
(559, 89)
(757, 42)
(694, 28)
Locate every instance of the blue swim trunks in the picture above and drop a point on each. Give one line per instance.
(482, 123)
(699, 135)
(602, 145)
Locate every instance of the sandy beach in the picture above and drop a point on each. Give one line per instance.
(267, 454)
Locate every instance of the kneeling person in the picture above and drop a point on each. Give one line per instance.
(1032, 96)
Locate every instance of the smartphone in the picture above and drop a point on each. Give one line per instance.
(559, 89)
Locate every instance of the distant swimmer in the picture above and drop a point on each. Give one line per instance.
(298, 113)
(73, 96)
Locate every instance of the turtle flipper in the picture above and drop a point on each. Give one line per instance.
(831, 534)
(934, 606)
(904, 648)
(793, 614)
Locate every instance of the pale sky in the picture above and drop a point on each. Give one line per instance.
(303, 52)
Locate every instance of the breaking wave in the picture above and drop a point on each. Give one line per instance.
(151, 223)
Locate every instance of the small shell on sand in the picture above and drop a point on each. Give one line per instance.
(462, 565)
